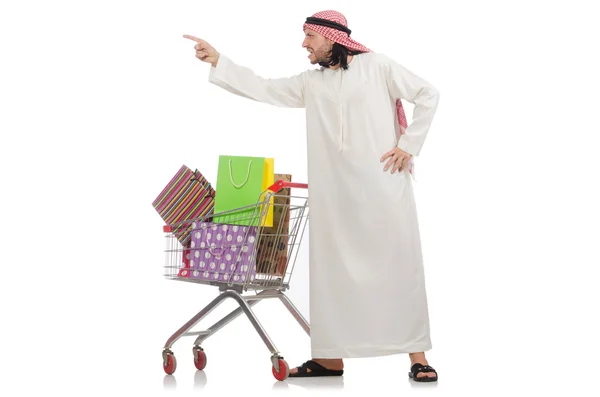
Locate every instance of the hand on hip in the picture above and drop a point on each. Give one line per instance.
(397, 160)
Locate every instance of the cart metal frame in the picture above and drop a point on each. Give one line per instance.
(269, 286)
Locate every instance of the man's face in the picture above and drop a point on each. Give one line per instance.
(319, 47)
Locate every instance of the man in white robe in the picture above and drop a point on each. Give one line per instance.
(367, 287)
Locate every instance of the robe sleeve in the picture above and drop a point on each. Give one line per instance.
(404, 84)
(240, 80)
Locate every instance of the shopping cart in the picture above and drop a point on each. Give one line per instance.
(247, 259)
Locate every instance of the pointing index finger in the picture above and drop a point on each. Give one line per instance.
(193, 38)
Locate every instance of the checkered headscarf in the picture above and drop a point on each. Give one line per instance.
(334, 26)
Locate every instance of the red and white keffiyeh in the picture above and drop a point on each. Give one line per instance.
(336, 35)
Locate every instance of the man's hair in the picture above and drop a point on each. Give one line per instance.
(339, 55)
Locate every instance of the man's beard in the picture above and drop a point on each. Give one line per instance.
(322, 57)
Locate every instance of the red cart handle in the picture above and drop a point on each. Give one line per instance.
(281, 184)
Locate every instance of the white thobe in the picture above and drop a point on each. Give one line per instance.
(367, 286)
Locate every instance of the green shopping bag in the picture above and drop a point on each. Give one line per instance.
(241, 182)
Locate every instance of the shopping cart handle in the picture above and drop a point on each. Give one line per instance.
(281, 184)
(167, 229)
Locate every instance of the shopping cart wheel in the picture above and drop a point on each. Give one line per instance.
(199, 358)
(284, 370)
(169, 363)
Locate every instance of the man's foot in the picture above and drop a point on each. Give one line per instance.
(319, 367)
(420, 369)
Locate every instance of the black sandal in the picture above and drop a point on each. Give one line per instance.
(316, 369)
(419, 368)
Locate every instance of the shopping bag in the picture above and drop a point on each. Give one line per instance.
(187, 196)
(272, 251)
(241, 182)
(222, 252)
(184, 271)
(268, 181)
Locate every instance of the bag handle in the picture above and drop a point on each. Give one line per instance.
(218, 255)
(247, 175)
(204, 184)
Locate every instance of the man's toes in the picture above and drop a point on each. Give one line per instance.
(426, 375)
(295, 370)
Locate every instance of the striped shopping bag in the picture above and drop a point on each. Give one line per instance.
(187, 196)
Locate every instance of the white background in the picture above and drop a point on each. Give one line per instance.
(103, 101)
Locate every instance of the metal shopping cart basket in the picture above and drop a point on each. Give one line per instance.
(248, 260)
